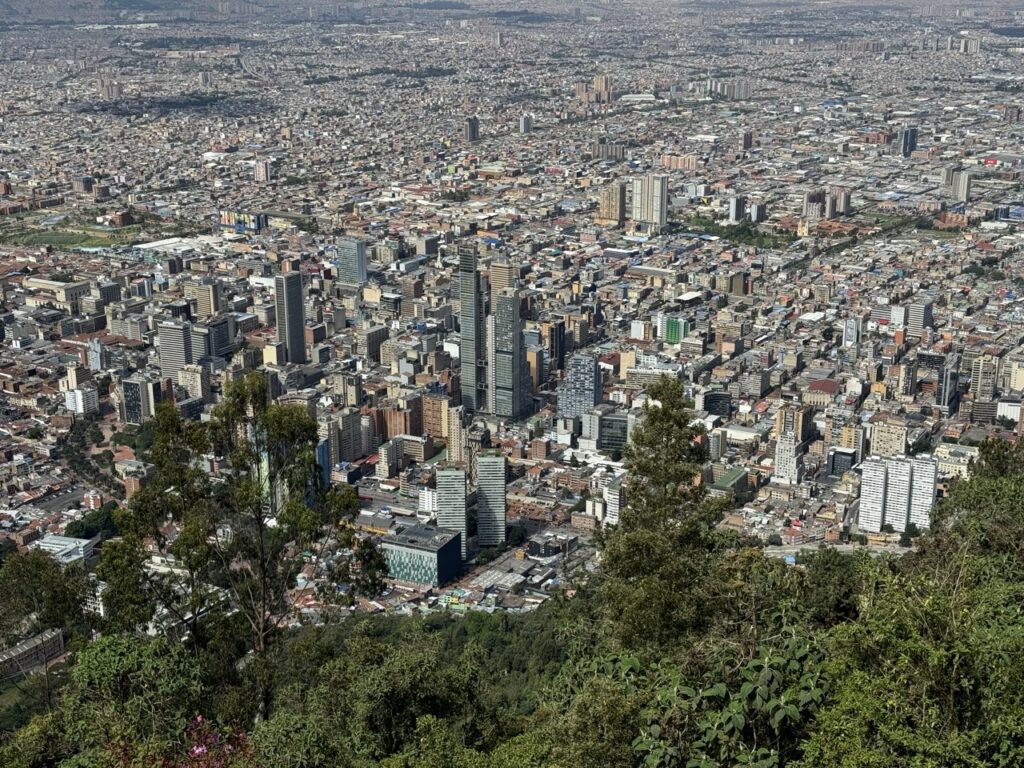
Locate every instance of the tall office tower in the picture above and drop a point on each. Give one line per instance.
(984, 370)
(919, 317)
(471, 130)
(872, 495)
(580, 390)
(291, 322)
(196, 381)
(263, 171)
(138, 399)
(788, 461)
(352, 261)
(553, 338)
(962, 187)
(737, 209)
(490, 499)
(746, 141)
(501, 275)
(612, 204)
(948, 175)
(650, 200)
(490, 369)
(906, 140)
(897, 493)
(471, 332)
(526, 123)
(924, 479)
(906, 381)
(507, 358)
(948, 390)
(175, 340)
(207, 299)
(451, 502)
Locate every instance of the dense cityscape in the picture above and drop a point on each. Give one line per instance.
(580, 326)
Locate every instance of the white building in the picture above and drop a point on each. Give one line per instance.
(82, 401)
(897, 491)
(872, 495)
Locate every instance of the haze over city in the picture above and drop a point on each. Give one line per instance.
(476, 384)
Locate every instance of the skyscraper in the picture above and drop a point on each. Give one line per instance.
(872, 495)
(471, 332)
(580, 390)
(291, 322)
(897, 491)
(906, 140)
(175, 347)
(490, 499)
(352, 261)
(962, 187)
(919, 317)
(983, 377)
(612, 204)
(788, 460)
(737, 209)
(507, 358)
(451, 502)
(650, 200)
(207, 299)
(501, 275)
(925, 471)
(471, 131)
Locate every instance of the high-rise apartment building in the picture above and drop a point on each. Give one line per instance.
(788, 459)
(897, 491)
(962, 187)
(291, 322)
(872, 495)
(611, 207)
(984, 371)
(490, 499)
(650, 201)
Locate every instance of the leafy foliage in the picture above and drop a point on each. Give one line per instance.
(687, 649)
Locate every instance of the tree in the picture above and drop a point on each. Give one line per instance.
(36, 593)
(656, 561)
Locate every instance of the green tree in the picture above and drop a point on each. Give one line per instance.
(36, 593)
(656, 561)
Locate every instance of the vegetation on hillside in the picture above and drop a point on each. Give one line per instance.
(689, 647)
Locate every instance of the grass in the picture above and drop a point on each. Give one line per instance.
(54, 238)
